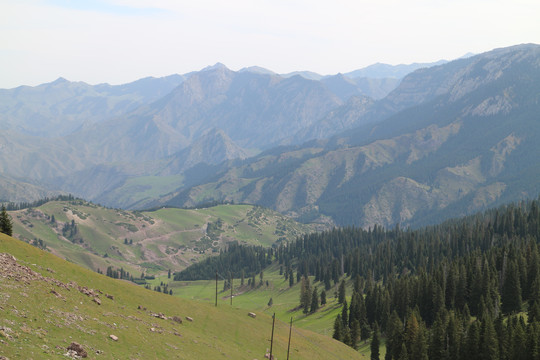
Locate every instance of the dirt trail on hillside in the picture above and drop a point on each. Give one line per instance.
(174, 257)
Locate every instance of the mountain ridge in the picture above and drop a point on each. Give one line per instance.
(456, 147)
(157, 150)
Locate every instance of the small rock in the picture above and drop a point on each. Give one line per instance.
(114, 337)
(159, 316)
(253, 315)
(55, 293)
(96, 300)
(78, 349)
(72, 354)
(189, 319)
(177, 319)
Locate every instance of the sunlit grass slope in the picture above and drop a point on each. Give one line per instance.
(42, 311)
(285, 300)
(150, 242)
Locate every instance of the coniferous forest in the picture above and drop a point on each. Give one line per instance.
(465, 289)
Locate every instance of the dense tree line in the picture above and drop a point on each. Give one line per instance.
(118, 273)
(467, 288)
(236, 259)
(12, 206)
(475, 295)
(70, 231)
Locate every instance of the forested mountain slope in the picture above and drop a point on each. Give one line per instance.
(465, 289)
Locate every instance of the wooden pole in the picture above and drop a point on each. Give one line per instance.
(272, 338)
(216, 288)
(289, 346)
(231, 287)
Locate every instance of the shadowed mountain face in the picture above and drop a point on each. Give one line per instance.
(254, 110)
(448, 140)
(468, 143)
(138, 126)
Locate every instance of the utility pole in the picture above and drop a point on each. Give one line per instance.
(289, 346)
(231, 286)
(272, 338)
(216, 288)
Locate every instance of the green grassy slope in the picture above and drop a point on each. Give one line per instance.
(156, 241)
(285, 300)
(42, 312)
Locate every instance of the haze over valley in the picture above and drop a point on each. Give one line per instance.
(444, 140)
(270, 180)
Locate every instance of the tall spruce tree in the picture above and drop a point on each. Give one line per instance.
(338, 328)
(6, 225)
(314, 301)
(375, 343)
(323, 297)
(305, 294)
(341, 292)
(489, 345)
(511, 291)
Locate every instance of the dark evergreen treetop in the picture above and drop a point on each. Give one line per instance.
(6, 224)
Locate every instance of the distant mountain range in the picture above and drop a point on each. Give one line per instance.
(358, 148)
(449, 140)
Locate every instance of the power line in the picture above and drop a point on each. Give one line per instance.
(314, 344)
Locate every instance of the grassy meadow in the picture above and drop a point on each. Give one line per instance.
(42, 312)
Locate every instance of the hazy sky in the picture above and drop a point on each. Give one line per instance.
(118, 41)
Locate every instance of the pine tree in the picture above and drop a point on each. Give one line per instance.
(375, 343)
(511, 290)
(346, 336)
(533, 340)
(403, 355)
(305, 295)
(411, 332)
(338, 328)
(419, 350)
(355, 333)
(314, 301)
(518, 340)
(6, 224)
(323, 297)
(473, 341)
(345, 314)
(341, 292)
(533, 313)
(394, 331)
(437, 348)
(489, 346)
(454, 338)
